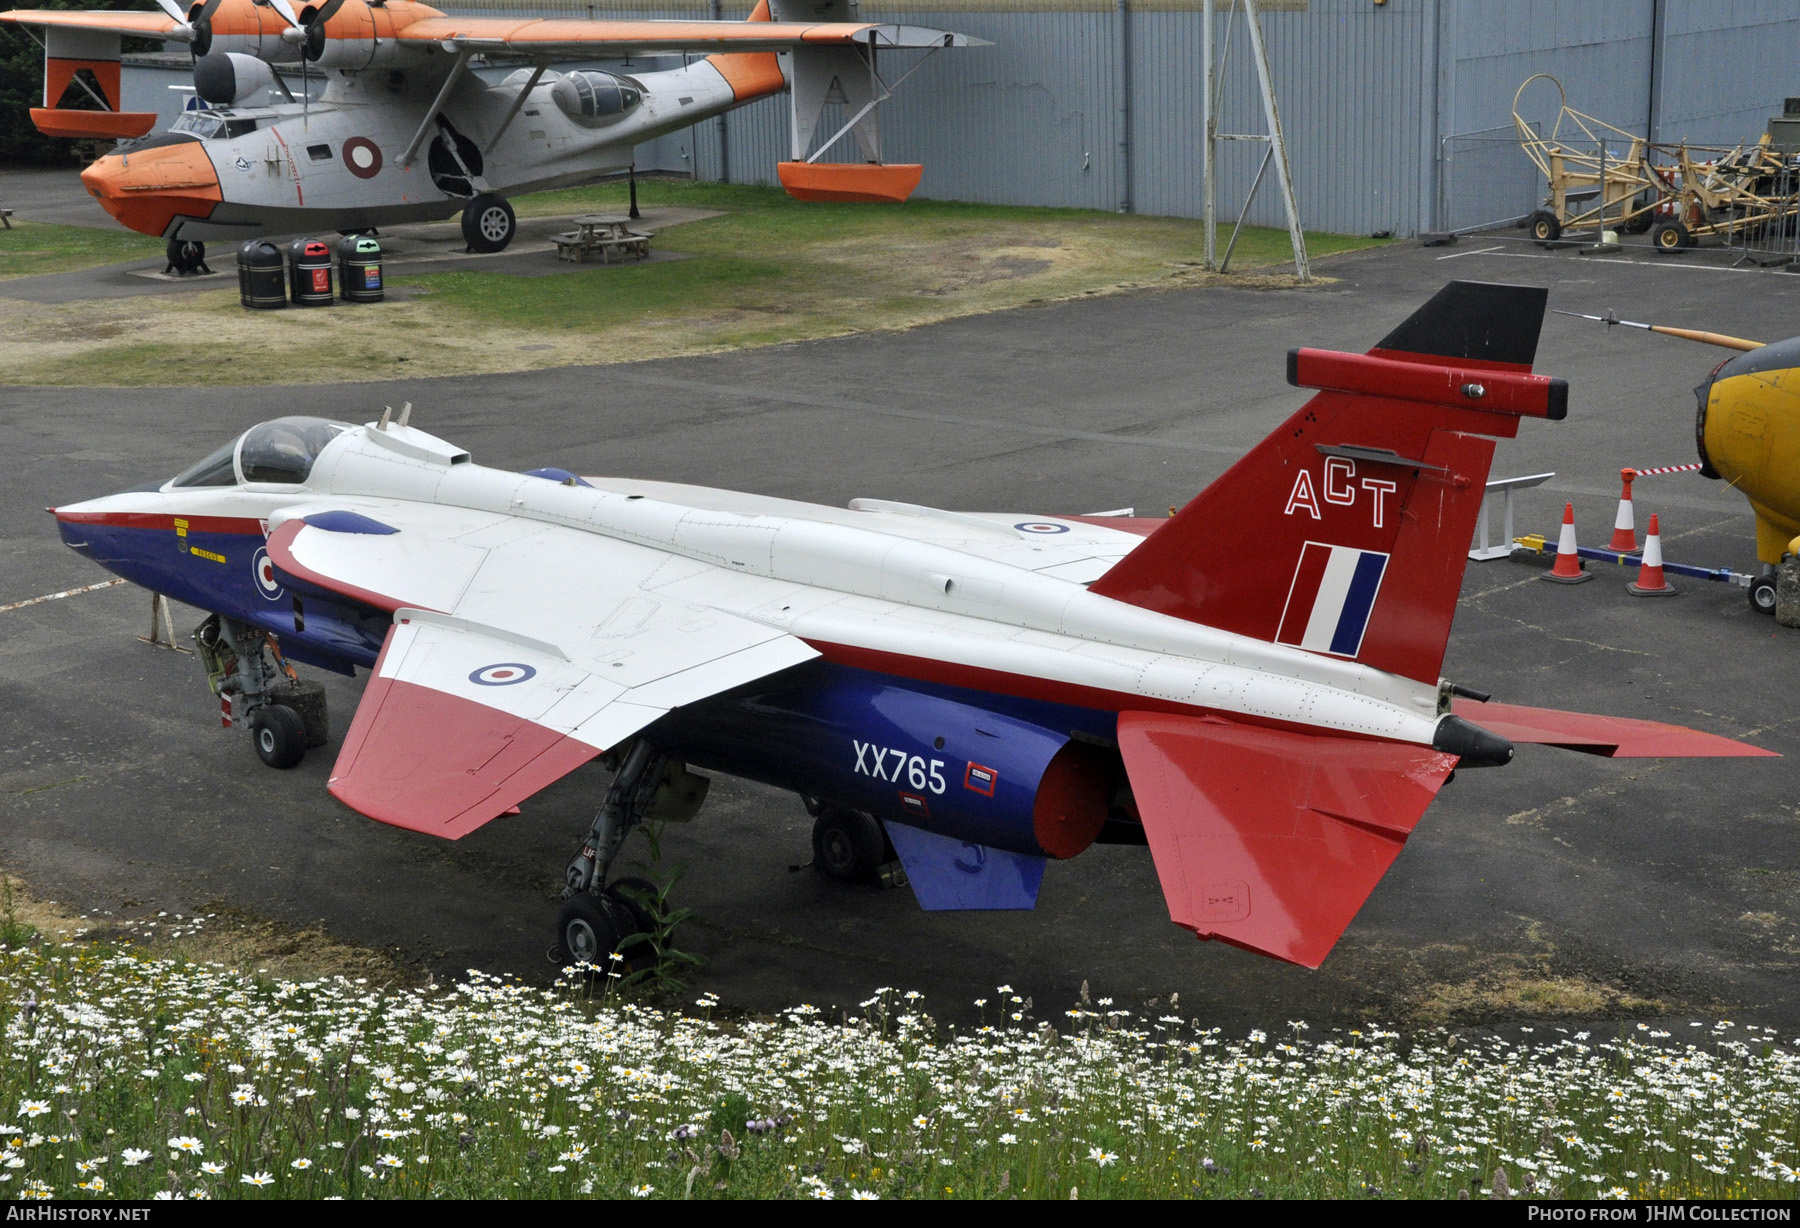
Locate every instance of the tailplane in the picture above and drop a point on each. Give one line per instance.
(1345, 532)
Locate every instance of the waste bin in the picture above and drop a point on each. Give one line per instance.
(309, 273)
(359, 269)
(260, 276)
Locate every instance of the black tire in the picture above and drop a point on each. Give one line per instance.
(307, 698)
(848, 845)
(488, 223)
(1543, 227)
(1645, 217)
(638, 897)
(1669, 236)
(1762, 595)
(279, 736)
(186, 255)
(590, 928)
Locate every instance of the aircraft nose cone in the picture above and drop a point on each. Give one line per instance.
(148, 190)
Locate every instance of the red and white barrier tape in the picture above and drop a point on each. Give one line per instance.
(1644, 473)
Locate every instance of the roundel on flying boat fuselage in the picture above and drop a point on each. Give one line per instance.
(363, 157)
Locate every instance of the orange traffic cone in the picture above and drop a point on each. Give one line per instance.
(1624, 538)
(1650, 581)
(1568, 563)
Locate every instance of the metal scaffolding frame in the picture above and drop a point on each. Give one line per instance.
(1276, 153)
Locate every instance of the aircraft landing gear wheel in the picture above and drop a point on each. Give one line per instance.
(1670, 237)
(186, 256)
(638, 895)
(848, 845)
(488, 223)
(1543, 227)
(1762, 594)
(590, 928)
(279, 735)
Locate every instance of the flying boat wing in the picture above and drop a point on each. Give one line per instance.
(101, 21)
(519, 651)
(552, 37)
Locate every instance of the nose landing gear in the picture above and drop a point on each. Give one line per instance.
(256, 685)
(1762, 591)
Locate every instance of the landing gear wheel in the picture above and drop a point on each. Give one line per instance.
(590, 928)
(279, 735)
(186, 256)
(638, 896)
(1543, 227)
(488, 223)
(1762, 594)
(1670, 237)
(848, 845)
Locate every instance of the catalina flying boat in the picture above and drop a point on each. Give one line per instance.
(405, 131)
(972, 694)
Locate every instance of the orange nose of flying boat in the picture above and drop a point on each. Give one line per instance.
(149, 190)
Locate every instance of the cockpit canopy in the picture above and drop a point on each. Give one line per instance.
(213, 125)
(281, 450)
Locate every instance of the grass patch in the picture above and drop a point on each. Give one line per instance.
(30, 248)
(130, 1075)
(768, 270)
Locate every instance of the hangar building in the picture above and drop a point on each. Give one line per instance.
(1398, 113)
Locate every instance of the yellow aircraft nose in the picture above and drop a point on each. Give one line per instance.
(148, 190)
(1748, 431)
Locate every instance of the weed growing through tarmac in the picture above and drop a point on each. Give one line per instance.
(123, 1075)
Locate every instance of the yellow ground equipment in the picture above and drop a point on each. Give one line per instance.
(1747, 431)
(1678, 193)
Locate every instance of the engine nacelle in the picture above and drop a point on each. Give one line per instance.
(855, 739)
(225, 78)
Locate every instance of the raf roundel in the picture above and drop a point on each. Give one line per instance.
(507, 673)
(1040, 526)
(363, 157)
(264, 570)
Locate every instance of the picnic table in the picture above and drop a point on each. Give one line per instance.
(608, 234)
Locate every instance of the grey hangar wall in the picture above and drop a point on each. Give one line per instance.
(1398, 115)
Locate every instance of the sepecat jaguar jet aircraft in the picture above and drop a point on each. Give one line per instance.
(405, 131)
(982, 693)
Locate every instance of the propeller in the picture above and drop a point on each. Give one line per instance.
(197, 19)
(308, 30)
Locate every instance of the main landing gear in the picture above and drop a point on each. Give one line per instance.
(256, 685)
(488, 223)
(597, 918)
(852, 846)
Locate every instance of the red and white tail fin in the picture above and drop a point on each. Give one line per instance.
(1345, 532)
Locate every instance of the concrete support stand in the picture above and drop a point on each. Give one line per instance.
(1787, 592)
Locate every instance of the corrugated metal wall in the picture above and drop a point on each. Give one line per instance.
(1370, 93)
(1726, 66)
